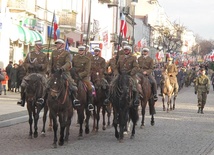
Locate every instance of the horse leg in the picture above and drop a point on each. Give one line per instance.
(98, 117)
(163, 100)
(36, 118)
(133, 112)
(115, 122)
(55, 126)
(94, 120)
(30, 123)
(44, 119)
(62, 118)
(173, 108)
(104, 118)
(152, 110)
(88, 114)
(108, 109)
(143, 106)
(50, 123)
(68, 123)
(80, 113)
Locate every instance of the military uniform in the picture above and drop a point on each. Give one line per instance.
(111, 66)
(82, 67)
(98, 64)
(172, 72)
(35, 62)
(202, 88)
(146, 64)
(89, 55)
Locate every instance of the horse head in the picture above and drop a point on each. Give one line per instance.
(56, 84)
(34, 86)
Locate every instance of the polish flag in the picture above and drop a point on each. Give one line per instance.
(55, 27)
(123, 26)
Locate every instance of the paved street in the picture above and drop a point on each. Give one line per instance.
(179, 132)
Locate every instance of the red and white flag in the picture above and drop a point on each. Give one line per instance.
(55, 26)
(123, 26)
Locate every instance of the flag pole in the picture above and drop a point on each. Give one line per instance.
(89, 22)
(49, 43)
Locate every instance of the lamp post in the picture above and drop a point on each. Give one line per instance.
(133, 3)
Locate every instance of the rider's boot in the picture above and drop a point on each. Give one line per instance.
(22, 101)
(73, 90)
(90, 98)
(135, 99)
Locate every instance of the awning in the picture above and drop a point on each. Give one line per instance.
(17, 32)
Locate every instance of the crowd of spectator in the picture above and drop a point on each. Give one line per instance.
(11, 77)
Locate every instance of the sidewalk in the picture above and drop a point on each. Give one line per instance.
(10, 112)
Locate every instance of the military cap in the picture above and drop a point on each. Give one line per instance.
(145, 50)
(125, 42)
(38, 42)
(61, 41)
(127, 47)
(97, 49)
(170, 59)
(81, 48)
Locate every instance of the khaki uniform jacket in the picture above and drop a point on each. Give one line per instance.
(34, 59)
(98, 64)
(127, 64)
(89, 55)
(112, 65)
(82, 65)
(60, 59)
(202, 83)
(146, 64)
(172, 72)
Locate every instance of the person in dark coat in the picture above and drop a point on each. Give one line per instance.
(8, 69)
(20, 73)
(13, 77)
(180, 78)
(157, 75)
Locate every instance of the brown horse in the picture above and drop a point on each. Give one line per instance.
(167, 90)
(34, 91)
(101, 88)
(60, 104)
(121, 97)
(147, 98)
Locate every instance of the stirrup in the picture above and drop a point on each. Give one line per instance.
(90, 107)
(155, 97)
(76, 103)
(40, 101)
(106, 102)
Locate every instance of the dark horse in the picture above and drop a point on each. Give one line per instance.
(121, 97)
(101, 88)
(34, 91)
(60, 104)
(147, 98)
(82, 110)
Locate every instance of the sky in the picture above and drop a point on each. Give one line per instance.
(195, 15)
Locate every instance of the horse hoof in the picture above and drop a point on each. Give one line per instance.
(142, 126)
(152, 123)
(104, 128)
(125, 132)
(132, 137)
(43, 134)
(35, 135)
(87, 131)
(61, 143)
(121, 141)
(54, 146)
(164, 109)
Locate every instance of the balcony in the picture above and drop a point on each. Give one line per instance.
(67, 19)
